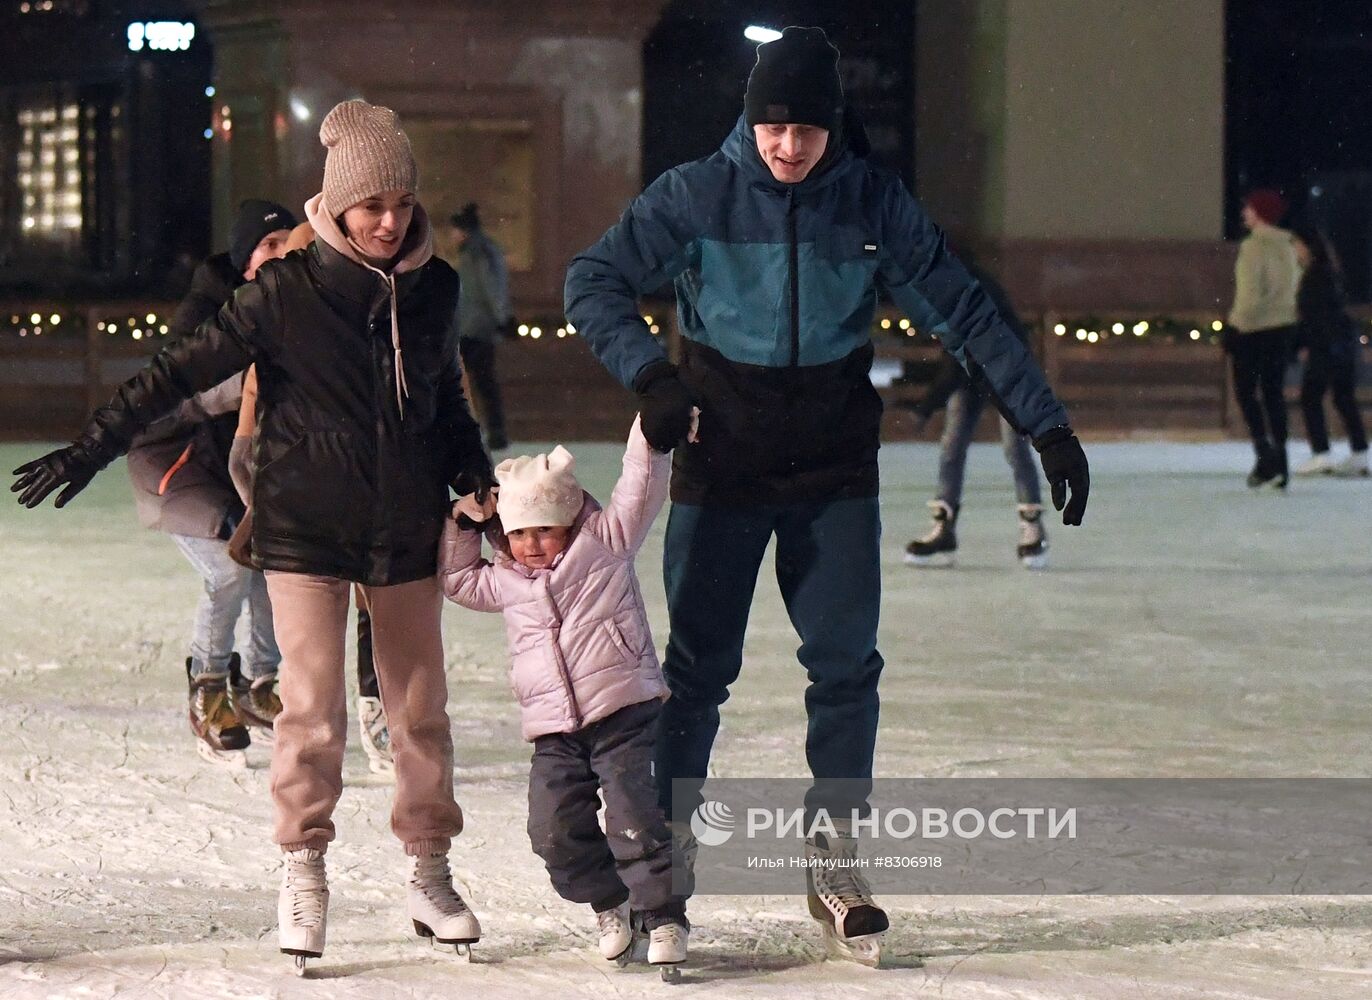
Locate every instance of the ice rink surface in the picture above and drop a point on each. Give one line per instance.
(1190, 628)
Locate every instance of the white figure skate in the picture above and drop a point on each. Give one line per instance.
(667, 950)
(616, 935)
(302, 909)
(376, 736)
(436, 909)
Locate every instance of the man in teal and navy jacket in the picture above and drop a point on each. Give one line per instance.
(777, 244)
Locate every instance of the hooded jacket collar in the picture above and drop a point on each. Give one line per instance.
(359, 282)
(415, 251)
(741, 148)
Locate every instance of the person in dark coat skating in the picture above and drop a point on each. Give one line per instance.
(363, 428)
(1327, 335)
(777, 244)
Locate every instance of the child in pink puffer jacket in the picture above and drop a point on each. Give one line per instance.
(583, 667)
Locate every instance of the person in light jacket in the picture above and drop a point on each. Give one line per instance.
(1261, 339)
(583, 667)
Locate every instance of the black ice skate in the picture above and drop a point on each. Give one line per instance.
(255, 699)
(220, 733)
(1032, 550)
(841, 900)
(939, 546)
(1270, 469)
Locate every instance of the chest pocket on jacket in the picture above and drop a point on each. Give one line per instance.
(841, 273)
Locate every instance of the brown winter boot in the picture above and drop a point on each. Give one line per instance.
(213, 718)
(254, 699)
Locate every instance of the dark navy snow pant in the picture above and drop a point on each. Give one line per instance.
(828, 569)
(632, 858)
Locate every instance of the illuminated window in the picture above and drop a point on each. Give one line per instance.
(52, 6)
(49, 173)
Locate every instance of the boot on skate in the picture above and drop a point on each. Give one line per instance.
(1270, 467)
(220, 733)
(1321, 463)
(302, 909)
(435, 907)
(376, 736)
(1033, 540)
(841, 900)
(939, 546)
(616, 934)
(255, 699)
(668, 933)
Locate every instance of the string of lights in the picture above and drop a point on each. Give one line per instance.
(54, 322)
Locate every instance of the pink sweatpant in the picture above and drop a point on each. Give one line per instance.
(311, 616)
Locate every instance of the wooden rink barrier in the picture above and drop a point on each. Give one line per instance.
(53, 374)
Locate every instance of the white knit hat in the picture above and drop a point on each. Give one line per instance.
(368, 153)
(538, 491)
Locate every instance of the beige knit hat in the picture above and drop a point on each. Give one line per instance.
(538, 491)
(367, 154)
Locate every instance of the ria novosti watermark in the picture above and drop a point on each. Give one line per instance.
(712, 822)
(1172, 836)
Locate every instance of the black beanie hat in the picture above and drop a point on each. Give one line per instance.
(795, 82)
(255, 220)
(467, 218)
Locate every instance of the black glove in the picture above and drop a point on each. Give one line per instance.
(664, 406)
(477, 478)
(75, 466)
(1064, 465)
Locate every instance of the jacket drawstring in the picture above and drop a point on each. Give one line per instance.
(402, 389)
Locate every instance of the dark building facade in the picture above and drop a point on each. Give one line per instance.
(103, 117)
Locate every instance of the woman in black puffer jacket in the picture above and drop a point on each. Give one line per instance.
(362, 428)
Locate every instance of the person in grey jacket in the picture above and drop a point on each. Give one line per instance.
(484, 317)
(590, 687)
(182, 486)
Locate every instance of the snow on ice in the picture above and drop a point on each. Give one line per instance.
(1191, 628)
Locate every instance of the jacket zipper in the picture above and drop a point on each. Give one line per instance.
(378, 394)
(795, 277)
(562, 660)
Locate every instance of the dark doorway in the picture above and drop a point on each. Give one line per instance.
(1298, 103)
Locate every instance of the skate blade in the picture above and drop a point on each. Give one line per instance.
(864, 949)
(462, 947)
(236, 760)
(1034, 562)
(943, 560)
(301, 957)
